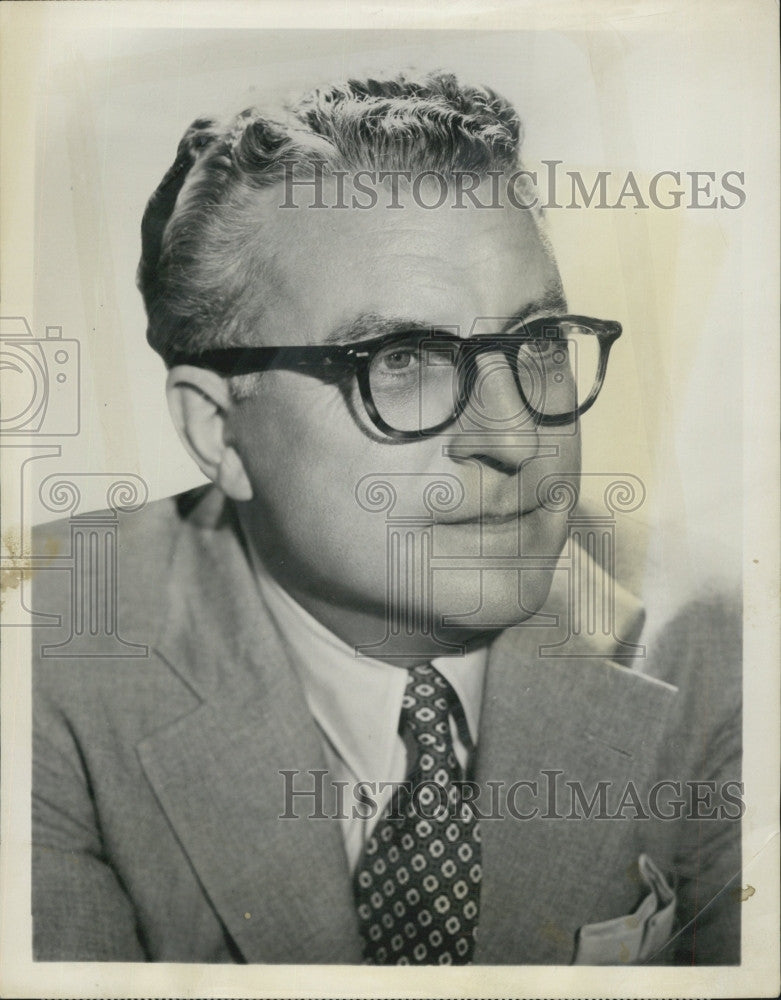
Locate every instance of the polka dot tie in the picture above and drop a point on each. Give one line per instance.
(417, 884)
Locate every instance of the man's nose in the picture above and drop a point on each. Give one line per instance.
(496, 426)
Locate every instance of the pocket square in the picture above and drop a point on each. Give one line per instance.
(637, 937)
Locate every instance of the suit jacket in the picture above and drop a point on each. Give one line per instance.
(157, 787)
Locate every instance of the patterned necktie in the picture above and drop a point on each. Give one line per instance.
(417, 884)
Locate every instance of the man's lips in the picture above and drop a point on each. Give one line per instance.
(490, 518)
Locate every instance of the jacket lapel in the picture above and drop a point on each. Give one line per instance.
(591, 720)
(281, 887)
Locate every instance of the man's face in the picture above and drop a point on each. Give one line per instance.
(321, 472)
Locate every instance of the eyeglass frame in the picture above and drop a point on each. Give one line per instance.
(338, 361)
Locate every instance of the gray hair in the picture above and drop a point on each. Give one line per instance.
(200, 271)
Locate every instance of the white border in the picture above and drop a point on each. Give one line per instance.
(22, 30)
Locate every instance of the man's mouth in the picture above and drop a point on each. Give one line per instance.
(492, 518)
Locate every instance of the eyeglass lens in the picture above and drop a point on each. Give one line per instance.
(416, 383)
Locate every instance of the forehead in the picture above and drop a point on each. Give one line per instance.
(446, 266)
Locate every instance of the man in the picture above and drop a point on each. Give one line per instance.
(348, 740)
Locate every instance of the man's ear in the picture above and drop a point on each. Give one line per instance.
(200, 401)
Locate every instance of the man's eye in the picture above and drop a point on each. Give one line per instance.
(397, 359)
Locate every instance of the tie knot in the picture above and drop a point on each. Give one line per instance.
(426, 706)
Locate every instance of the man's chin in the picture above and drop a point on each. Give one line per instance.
(461, 609)
(485, 601)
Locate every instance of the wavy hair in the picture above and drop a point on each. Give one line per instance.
(202, 264)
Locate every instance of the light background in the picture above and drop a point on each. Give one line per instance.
(96, 97)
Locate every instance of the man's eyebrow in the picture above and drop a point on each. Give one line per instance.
(552, 301)
(367, 326)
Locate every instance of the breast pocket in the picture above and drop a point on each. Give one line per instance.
(638, 936)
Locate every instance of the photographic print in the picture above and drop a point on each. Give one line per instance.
(390, 500)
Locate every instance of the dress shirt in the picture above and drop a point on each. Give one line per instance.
(356, 702)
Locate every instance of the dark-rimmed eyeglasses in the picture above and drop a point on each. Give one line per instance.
(416, 384)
